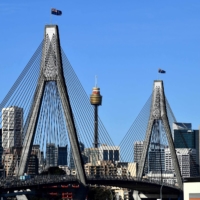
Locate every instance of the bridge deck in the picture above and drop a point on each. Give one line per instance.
(39, 182)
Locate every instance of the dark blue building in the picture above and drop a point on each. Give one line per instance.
(62, 155)
(185, 138)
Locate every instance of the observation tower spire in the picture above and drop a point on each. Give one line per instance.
(96, 100)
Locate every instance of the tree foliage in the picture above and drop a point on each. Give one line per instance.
(54, 171)
(99, 193)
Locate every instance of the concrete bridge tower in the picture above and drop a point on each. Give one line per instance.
(51, 69)
(159, 112)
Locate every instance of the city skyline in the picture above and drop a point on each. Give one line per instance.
(124, 44)
(51, 83)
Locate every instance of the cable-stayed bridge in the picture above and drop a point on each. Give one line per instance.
(47, 111)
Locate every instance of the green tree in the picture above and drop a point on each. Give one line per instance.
(99, 193)
(54, 171)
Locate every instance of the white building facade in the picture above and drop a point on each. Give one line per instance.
(12, 127)
(187, 161)
(51, 155)
(111, 153)
(138, 148)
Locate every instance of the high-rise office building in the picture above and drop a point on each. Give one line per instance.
(103, 153)
(156, 158)
(12, 127)
(51, 155)
(184, 136)
(36, 163)
(182, 126)
(56, 156)
(11, 159)
(197, 141)
(184, 139)
(36, 151)
(138, 148)
(92, 155)
(33, 165)
(2, 171)
(187, 138)
(42, 161)
(62, 155)
(1, 148)
(168, 161)
(187, 162)
(111, 153)
(71, 160)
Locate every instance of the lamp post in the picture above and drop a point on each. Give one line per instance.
(161, 191)
(111, 194)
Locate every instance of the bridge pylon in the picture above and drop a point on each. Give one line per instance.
(51, 69)
(159, 112)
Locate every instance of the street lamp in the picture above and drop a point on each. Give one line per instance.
(161, 191)
(111, 194)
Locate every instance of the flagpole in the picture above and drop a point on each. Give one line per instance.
(50, 18)
(50, 13)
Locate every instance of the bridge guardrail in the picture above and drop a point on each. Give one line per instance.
(10, 182)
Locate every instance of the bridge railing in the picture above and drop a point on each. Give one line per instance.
(39, 180)
(130, 178)
(36, 180)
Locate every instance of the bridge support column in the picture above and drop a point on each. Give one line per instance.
(159, 112)
(136, 195)
(51, 70)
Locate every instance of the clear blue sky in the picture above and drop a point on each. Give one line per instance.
(122, 42)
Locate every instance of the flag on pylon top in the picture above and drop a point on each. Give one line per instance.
(161, 71)
(56, 12)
